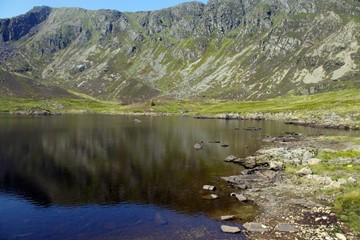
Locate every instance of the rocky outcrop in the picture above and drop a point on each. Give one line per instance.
(15, 28)
(225, 49)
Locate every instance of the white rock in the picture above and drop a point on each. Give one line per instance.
(227, 218)
(230, 229)
(340, 236)
(209, 187)
(214, 196)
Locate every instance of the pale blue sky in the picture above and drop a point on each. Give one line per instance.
(11, 8)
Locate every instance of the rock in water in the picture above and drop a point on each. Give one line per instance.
(285, 227)
(230, 158)
(197, 146)
(255, 227)
(227, 218)
(230, 229)
(209, 187)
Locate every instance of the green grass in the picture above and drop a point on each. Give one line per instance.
(347, 205)
(344, 103)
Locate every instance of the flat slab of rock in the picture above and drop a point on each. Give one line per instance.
(230, 229)
(285, 227)
(255, 227)
(239, 197)
(209, 187)
(340, 236)
(227, 218)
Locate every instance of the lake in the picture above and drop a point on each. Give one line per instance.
(123, 177)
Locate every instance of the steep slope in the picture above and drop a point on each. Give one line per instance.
(228, 49)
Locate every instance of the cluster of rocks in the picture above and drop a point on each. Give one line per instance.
(290, 209)
(36, 111)
(326, 121)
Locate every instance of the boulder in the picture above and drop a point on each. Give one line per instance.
(255, 227)
(304, 171)
(230, 229)
(285, 227)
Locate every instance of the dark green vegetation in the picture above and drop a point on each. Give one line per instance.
(225, 49)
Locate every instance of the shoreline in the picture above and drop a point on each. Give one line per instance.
(294, 204)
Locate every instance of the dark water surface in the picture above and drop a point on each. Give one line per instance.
(110, 177)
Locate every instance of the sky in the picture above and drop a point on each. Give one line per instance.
(12, 8)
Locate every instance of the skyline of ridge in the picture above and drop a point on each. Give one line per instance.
(13, 8)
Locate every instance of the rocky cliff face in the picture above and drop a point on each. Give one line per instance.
(229, 49)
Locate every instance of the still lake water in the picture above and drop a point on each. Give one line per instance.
(110, 177)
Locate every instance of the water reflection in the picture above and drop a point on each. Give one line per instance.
(82, 159)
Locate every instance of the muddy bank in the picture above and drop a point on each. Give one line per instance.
(295, 202)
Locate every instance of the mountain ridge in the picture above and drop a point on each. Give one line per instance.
(225, 49)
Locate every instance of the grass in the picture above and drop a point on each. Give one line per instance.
(347, 205)
(343, 103)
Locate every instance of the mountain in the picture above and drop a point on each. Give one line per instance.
(225, 49)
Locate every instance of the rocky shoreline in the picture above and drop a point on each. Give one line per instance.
(294, 205)
(324, 121)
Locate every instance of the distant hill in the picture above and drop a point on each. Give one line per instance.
(225, 49)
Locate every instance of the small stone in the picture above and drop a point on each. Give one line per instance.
(304, 171)
(340, 236)
(255, 227)
(227, 218)
(230, 158)
(276, 166)
(197, 146)
(230, 229)
(214, 196)
(285, 227)
(314, 161)
(351, 180)
(239, 197)
(209, 187)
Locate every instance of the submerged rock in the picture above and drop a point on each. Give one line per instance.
(230, 229)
